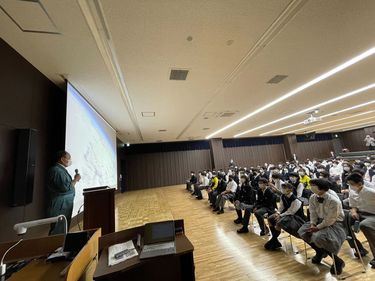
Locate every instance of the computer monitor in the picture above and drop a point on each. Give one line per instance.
(159, 232)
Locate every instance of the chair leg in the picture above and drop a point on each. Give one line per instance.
(334, 264)
(291, 245)
(304, 243)
(360, 257)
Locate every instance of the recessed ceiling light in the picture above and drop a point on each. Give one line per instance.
(323, 116)
(355, 92)
(189, 38)
(299, 89)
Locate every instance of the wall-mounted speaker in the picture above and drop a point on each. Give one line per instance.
(25, 167)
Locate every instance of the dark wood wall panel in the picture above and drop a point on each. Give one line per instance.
(314, 149)
(353, 140)
(163, 168)
(246, 156)
(217, 154)
(27, 100)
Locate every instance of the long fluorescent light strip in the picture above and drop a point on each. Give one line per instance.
(338, 125)
(316, 80)
(323, 116)
(355, 92)
(337, 120)
(367, 124)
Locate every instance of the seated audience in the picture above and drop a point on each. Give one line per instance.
(212, 196)
(213, 185)
(193, 180)
(264, 205)
(225, 195)
(334, 186)
(362, 203)
(289, 217)
(244, 199)
(324, 232)
(204, 184)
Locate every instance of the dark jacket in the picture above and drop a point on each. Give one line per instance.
(221, 186)
(246, 194)
(193, 179)
(266, 199)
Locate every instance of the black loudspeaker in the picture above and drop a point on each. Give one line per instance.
(25, 167)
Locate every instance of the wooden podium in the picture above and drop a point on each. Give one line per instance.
(99, 209)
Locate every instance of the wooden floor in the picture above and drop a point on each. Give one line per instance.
(222, 254)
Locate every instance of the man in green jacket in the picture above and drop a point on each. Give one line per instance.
(60, 189)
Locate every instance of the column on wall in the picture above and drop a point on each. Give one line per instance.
(290, 145)
(217, 154)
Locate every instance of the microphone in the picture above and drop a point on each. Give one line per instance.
(76, 170)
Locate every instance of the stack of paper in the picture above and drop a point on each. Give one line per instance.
(129, 249)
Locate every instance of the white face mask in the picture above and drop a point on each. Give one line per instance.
(293, 179)
(353, 188)
(346, 169)
(314, 189)
(69, 163)
(301, 174)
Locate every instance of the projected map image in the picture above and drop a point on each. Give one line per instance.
(92, 145)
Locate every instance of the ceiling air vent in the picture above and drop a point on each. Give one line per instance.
(148, 114)
(227, 114)
(178, 74)
(277, 79)
(162, 130)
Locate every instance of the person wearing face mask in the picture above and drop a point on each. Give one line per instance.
(193, 180)
(325, 231)
(213, 186)
(289, 217)
(347, 169)
(244, 199)
(362, 203)
(298, 186)
(204, 184)
(220, 188)
(305, 180)
(61, 192)
(225, 195)
(265, 204)
(369, 142)
(334, 186)
(276, 183)
(336, 169)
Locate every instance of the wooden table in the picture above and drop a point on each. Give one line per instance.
(179, 266)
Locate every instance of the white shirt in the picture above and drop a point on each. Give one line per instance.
(231, 186)
(278, 184)
(300, 189)
(205, 181)
(330, 211)
(294, 207)
(364, 201)
(370, 141)
(336, 171)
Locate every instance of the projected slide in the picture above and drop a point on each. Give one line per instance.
(92, 145)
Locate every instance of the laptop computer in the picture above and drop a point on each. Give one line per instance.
(159, 240)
